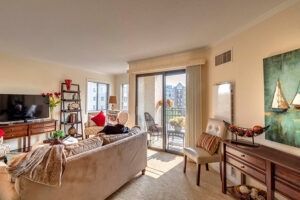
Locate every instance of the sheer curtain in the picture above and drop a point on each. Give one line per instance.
(193, 105)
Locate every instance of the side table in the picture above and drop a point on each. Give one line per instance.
(111, 116)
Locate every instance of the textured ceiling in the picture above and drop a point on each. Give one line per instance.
(103, 35)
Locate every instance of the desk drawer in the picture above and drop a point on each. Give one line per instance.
(246, 169)
(284, 174)
(9, 129)
(41, 125)
(291, 191)
(41, 130)
(257, 162)
(15, 134)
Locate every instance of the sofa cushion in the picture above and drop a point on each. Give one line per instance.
(83, 146)
(107, 139)
(135, 130)
(208, 142)
(99, 119)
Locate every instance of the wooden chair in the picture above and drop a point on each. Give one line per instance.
(200, 156)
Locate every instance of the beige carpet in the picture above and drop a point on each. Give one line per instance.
(165, 180)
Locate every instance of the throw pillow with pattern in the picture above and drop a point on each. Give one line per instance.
(208, 142)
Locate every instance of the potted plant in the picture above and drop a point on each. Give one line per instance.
(59, 134)
(178, 123)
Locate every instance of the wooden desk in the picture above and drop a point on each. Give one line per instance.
(26, 130)
(278, 170)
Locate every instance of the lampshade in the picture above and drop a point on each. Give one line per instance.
(112, 100)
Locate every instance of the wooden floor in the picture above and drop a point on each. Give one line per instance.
(165, 180)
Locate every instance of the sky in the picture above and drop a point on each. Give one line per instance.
(175, 79)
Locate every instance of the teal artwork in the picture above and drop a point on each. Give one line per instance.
(282, 97)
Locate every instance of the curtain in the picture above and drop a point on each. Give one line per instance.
(193, 105)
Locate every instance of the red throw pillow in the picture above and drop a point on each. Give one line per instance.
(99, 119)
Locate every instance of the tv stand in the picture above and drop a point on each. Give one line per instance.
(26, 130)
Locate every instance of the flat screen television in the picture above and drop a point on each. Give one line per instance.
(23, 107)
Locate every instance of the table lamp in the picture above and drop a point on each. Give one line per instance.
(112, 100)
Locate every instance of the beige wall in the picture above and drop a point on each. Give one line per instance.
(275, 35)
(25, 76)
(278, 34)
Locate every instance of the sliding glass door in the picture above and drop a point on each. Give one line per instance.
(160, 100)
(149, 111)
(175, 111)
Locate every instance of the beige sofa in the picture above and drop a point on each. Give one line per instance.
(94, 174)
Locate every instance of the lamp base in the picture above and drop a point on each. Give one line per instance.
(112, 106)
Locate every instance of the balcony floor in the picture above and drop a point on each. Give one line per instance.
(173, 144)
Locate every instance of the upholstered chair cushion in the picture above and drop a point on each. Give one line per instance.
(123, 117)
(90, 121)
(200, 156)
(208, 142)
(216, 127)
(93, 130)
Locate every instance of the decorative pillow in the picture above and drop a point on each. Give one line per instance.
(99, 119)
(83, 146)
(208, 142)
(107, 139)
(135, 130)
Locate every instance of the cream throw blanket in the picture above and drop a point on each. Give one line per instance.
(44, 165)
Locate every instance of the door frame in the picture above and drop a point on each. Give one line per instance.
(164, 75)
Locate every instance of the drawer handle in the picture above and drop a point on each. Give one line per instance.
(243, 155)
(242, 166)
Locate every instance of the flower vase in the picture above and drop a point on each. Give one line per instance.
(177, 128)
(1, 140)
(51, 112)
(68, 83)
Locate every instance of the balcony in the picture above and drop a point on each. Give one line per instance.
(174, 136)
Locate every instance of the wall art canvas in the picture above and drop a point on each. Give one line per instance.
(282, 97)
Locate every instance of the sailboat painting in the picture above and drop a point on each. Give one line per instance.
(279, 103)
(296, 100)
(282, 97)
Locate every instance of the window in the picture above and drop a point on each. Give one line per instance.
(97, 96)
(124, 96)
